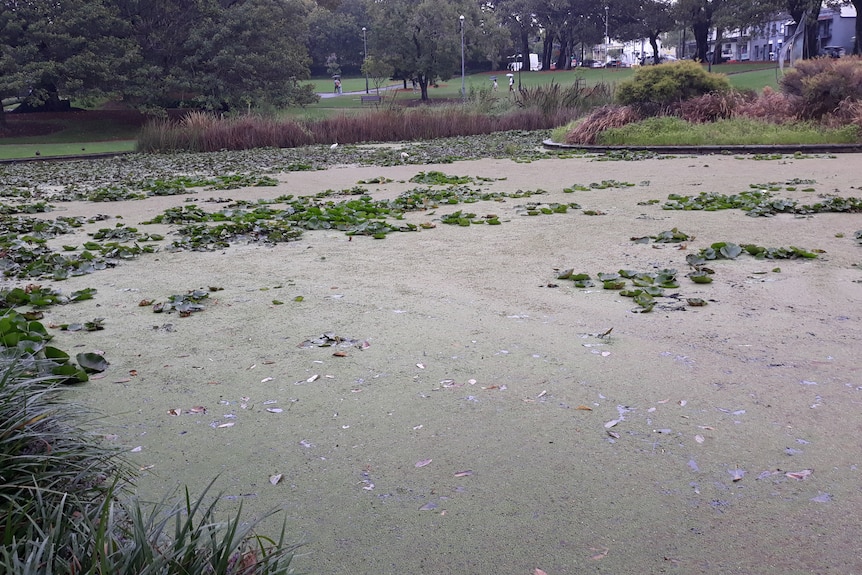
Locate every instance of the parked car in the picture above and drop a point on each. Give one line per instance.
(616, 64)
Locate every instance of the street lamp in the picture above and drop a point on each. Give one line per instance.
(607, 38)
(463, 91)
(365, 57)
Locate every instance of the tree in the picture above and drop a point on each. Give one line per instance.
(378, 70)
(74, 48)
(635, 19)
(810, 10)
(422, 39)
(857, 44)
(247, 53)
(337, 31)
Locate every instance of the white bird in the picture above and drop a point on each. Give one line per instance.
(333, 146)
(404, 155)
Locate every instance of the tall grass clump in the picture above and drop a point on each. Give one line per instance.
(586, 130)
(574, 99)
(64, 500)
(206, 132)
(536, 109)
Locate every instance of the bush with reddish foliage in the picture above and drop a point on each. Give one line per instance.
(822, 84)
(713, 106)
(771, 106)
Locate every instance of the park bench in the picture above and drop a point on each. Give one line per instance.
(370, 100)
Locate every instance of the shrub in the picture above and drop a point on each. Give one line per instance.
(771, 106)
(823, 83)
(653, 88)
(713, 106)
(601, 119)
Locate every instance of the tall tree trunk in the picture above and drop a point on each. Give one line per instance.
(701, 39)
(857, 45)
(653, 41)
(525, 48)
(811, 49)
(716, 48)
(423, 86)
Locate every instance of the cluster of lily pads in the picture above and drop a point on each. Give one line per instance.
(759, 203)
(25, 339)
(183, 304)
(26, 254)
(646, 286)
(730, 251)
(361, 215)
(603, 185)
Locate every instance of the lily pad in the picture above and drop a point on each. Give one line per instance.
(92, 362)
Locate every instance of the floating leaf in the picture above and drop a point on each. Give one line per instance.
(423, 462)
(92, 362)
(274, 479)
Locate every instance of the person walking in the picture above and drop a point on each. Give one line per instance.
(511, 83)
(495, 84)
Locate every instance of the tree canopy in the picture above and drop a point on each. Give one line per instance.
(220, 53)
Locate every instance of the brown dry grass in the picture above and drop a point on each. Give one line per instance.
(598, 121)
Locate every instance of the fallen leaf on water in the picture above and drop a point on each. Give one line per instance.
(682, 402)
(465, 473)
(423, 462)
(799, 475)
(584, 408)
(428, 506)
(274, 409)
(198, 409)
(340, 354)
(420, 365)
(133, 372)
(611, 423)
(174, 412)
(492, 387)
(544, 392)
(228, 424)
(124, 380)
(736, 474)
(538, 571)
(146, 467)
(274, 479)
(614, 434)
(312, 378)
(699, 438)
(602, 553)
(137, 449)
(663, 400)
(266, 379)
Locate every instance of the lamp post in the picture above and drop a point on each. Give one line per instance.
(607, 38)
(365, 57)
(463, 91)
